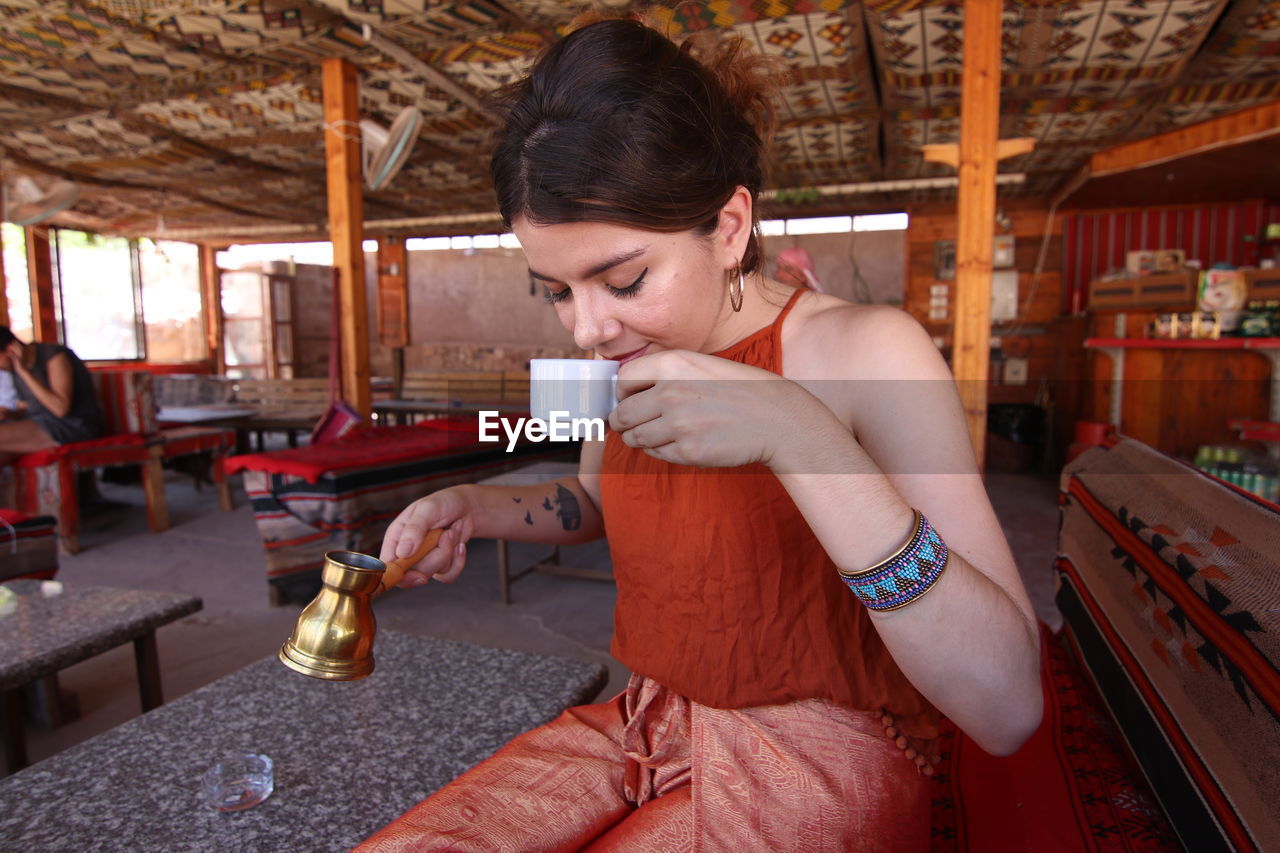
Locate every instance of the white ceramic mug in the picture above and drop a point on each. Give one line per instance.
(584, 388)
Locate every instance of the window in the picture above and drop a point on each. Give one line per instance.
(834, 224)
(101, 310)
(128, 299)
(171, 306)
(16, 286)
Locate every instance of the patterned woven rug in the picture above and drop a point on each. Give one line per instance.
(1071, 786)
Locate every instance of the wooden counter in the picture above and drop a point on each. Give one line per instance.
(1178, 394)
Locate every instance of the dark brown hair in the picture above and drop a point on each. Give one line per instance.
(6, 337)
(616, 123)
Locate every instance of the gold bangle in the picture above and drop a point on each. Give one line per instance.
(917, 528)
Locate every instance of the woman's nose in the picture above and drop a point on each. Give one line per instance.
(593, 323)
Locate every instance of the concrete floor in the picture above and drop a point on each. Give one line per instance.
(218, 556)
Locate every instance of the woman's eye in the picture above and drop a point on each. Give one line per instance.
(631, 289)
(555, 295)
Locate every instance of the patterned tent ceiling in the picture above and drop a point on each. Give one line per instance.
(206, 114)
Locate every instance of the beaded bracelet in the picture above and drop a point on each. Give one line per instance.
(905, 576)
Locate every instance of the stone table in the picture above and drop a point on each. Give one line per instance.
(350, 757)
(48, 626)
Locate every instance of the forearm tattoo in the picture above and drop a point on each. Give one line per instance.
(569, 513)
(564, 505)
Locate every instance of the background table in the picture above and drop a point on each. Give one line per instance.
(44, 634)
(350, 757)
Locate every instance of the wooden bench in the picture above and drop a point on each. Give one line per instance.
(509, 386)
(303, 395)
(290, 406)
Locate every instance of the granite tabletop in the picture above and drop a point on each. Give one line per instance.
(349, 757)
(47, 626)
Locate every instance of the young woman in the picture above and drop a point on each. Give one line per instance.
(772, 445)
(56, 402)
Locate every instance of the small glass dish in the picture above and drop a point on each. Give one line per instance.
(236, 782)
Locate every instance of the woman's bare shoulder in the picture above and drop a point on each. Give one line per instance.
(829, 338)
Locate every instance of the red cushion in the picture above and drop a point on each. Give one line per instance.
(365, 447)
(129, 441)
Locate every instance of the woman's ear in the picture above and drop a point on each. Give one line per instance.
(734, 230)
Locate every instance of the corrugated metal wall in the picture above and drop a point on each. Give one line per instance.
(1094, 243)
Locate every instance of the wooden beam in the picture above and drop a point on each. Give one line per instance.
(976, 210)
(44, 310)
(211, 301)
(949, 153)
(346, 226)
(1232, 129)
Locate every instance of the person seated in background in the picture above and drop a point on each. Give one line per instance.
(55, 399)
(795, 267)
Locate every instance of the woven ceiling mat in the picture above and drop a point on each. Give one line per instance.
(216, 105)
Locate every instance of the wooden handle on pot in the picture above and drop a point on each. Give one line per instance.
(397, 567)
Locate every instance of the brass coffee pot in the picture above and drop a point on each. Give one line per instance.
(333, 639)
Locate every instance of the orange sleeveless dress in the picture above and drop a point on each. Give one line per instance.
(742, 727)
(726, 597)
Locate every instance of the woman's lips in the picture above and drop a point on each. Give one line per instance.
(629, 356)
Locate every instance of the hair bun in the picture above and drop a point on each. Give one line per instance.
(749, 79)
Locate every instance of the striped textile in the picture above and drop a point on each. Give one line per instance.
(1169, 588)
(301, 516)
(127, 399)
(28, 546)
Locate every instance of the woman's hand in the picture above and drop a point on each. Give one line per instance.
(689, 408)
(448, 508)
(14, 352)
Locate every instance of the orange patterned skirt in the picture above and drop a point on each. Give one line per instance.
(652, 771)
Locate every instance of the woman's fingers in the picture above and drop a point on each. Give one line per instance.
(458, 559)
(407, 533)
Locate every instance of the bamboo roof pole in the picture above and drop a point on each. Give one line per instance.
(346, 225)
(976, 211)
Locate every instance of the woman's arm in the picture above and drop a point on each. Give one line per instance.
(558, 512)
(57, 395)
(970, 644)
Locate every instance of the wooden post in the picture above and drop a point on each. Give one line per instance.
(211, 300)
(976, 210)
(44, 312)
(393, 293)
(346, 225)
(393, 305)
(4, 290)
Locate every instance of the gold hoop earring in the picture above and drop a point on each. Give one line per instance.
(736, 302)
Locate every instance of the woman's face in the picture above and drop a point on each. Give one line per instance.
(625, 292)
